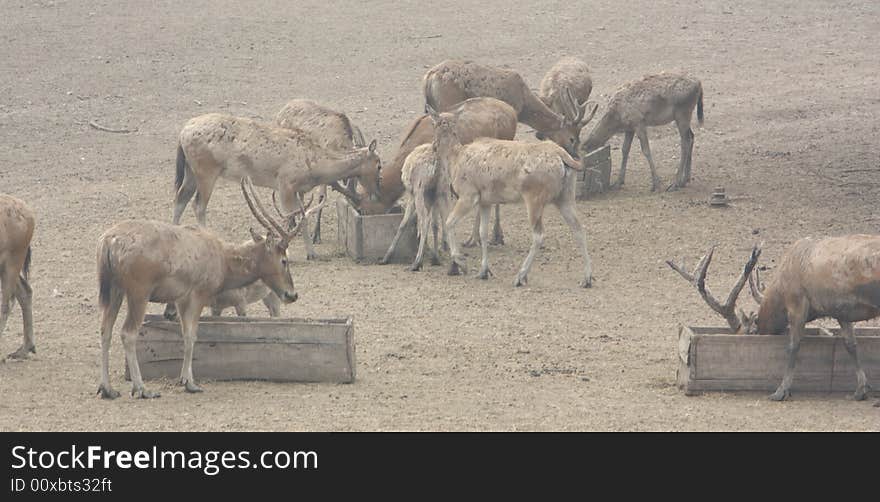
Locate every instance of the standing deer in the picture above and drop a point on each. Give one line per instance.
(148, 261)
(652, 101)
(837, 277)
(454, 81)
(331, 129)
(491, 171)
(568, 75)
(290, 161)
(475, 118)
(16, 231)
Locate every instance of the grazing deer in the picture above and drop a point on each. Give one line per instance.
(290, 161)
(453, 81)
(148, 261)
(837, 277)
(16, 231)
(331, 129)
(240, 298)
(491, 171)
(475, 118)
(651, 101)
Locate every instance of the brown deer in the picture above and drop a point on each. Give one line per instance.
(330, 128)
(147, 261)
(454, 81)
(491, 171)
(290, 161)
(651, 101)
(475, 118)
(240, 298)
(837, 277)
(16, 231)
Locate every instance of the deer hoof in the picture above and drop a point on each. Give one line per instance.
(170, 313)
(144, 394)
(498, 240)
(587, 283)
(521, 280)
(384, 260)
(471, 242)
(860, 394)
(456, 269)
(484, 274)
(780, 395)
(655, 184)
(22, 352)
(107, 392)
(190, 387)
(435, 261)
(415, 267)
(877, 404)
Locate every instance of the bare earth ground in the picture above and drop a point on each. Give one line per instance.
(791, 132)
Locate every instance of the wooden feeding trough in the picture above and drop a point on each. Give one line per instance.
(596, 176)
(713, 359)
(366, 238)
(243, 348)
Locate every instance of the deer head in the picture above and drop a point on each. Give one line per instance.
(270, 252)
(575, 118)
(739, 321)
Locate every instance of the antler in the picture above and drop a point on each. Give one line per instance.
(570, 109)
(756, 286)
(291, 216)
(291, 233)
(258, 210)
(728, 310)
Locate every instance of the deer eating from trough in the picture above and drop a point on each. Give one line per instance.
(147, 261)
(836, 277)
(16, 231)
(290, 161)
(653, 100)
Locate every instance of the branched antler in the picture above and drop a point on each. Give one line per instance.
(736, 319)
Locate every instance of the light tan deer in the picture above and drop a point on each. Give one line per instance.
(491, 171)
(454, 81)
(651, 101)
(475, 118)
(16, 231)
(290, 161)
(148, 261)
(330, 128)
(240, 298)
(568, 76)
(837, 277)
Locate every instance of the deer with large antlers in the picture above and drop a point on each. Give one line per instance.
(491, 171)
(837, 277)
(454, 81)
(16, 231)
(330, 128)
(147, 261)
(290, 161)
(651, 101)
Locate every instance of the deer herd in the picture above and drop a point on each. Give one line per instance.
(460, 155)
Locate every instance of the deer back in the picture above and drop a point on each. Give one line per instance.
(330, 128)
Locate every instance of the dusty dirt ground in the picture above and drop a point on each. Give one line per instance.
(791, 132)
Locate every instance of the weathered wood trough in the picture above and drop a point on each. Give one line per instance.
(244, 348)
(589, 181)
(366, 238)
(713, 359)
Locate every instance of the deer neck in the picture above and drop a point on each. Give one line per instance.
(605, 128)
(447, 151)
(240, 265)
(343, 165)
(540, 117)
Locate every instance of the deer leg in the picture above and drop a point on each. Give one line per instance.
(435, 229)
(624, 152)
(108, 319)
(307, 240)
(24, 295)
(203, 196)
(682, 176)
(189, 309)
(423, 218)
(497, 233)
(440, 214)
(462, 207)
(484, 213)
(322, 194)
(184, 194)
(273, 304)
(849, 341)
(475, 234)
(536, 212)
(216, 311)
(567, 211)
(646, 151)
(241, 309)
(796, 331)
(409, 212)
(137, 307)
(8, 285)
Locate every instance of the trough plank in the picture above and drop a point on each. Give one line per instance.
(282, 350)
(366, 238)
(712, 359)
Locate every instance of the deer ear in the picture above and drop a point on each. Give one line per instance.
(257, 237)
(432, 113)
(372, 146)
